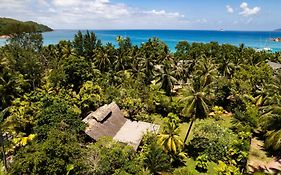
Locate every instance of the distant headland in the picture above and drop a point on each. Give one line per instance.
(9, 27)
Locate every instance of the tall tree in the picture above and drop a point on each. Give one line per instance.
(102, 59)
(78, 43)
(165, 77)
(195, 98)
(206, 70)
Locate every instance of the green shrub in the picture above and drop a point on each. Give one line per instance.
(211, 139)
(202, 163)
(52, 156)
(224, 169)
(184, 171)
(108, 157)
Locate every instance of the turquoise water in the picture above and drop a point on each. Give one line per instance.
(172, 37)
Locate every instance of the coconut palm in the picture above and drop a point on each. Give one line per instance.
(271, 114)
(66, 50)
(261, 98)
(147, 67)
(195, 98)
(102, 59)
(227, 68)
(273, 140)
(206, 70)
(165, 78)
(170, 138)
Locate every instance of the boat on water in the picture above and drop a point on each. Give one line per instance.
(267, 49)
(264, 47)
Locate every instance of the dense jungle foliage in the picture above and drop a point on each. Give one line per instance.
(209, 99)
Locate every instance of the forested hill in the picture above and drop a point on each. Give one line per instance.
(11, 26)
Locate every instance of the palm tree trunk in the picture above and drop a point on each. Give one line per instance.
(3, 149)
(188, 131)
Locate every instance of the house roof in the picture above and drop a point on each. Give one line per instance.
(133, 131)
(105, 121)
(109, 121)
(274, 65)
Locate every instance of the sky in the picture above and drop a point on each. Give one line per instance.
(251, 15)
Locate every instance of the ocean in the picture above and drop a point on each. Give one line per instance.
(254, 39)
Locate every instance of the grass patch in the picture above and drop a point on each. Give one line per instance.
(225, 122)
(191, 164)
(183, 130)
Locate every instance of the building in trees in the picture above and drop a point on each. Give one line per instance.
(109, 121)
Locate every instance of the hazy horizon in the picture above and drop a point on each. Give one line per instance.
(273, 30)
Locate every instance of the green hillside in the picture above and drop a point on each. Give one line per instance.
(12, 26)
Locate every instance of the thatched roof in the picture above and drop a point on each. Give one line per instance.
(105, 121)
(108, 120)
(274, 65)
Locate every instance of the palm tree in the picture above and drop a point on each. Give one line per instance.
(165, 77)
(2, 143)
(227, 68)
(147, 67)
(271, 113)
(170, 138)
(273, 140)
(195, 98)
(66, 50)
(102, 59)
(206, 70)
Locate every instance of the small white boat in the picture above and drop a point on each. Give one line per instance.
(267, 49)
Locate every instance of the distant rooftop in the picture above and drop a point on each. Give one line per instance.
(274, 65)
(108, 120)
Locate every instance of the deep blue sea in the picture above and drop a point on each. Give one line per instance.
(172, 37)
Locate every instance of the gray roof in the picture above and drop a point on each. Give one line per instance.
(105, 121)
(109, 121)
(274, 65)
(132, 132)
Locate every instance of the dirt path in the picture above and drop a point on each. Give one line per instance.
(259, 160)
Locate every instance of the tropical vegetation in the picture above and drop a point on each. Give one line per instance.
(209, 99)
(9, 26)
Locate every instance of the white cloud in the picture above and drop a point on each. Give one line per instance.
(43, 3)
(66, 3)
(105, 9)
(246, 11)
(106, 14)
(202, 21)
(229, 9)
(90, 14)
(13, 4)
(163, 13)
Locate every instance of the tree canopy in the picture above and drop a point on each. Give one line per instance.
(220, 96)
